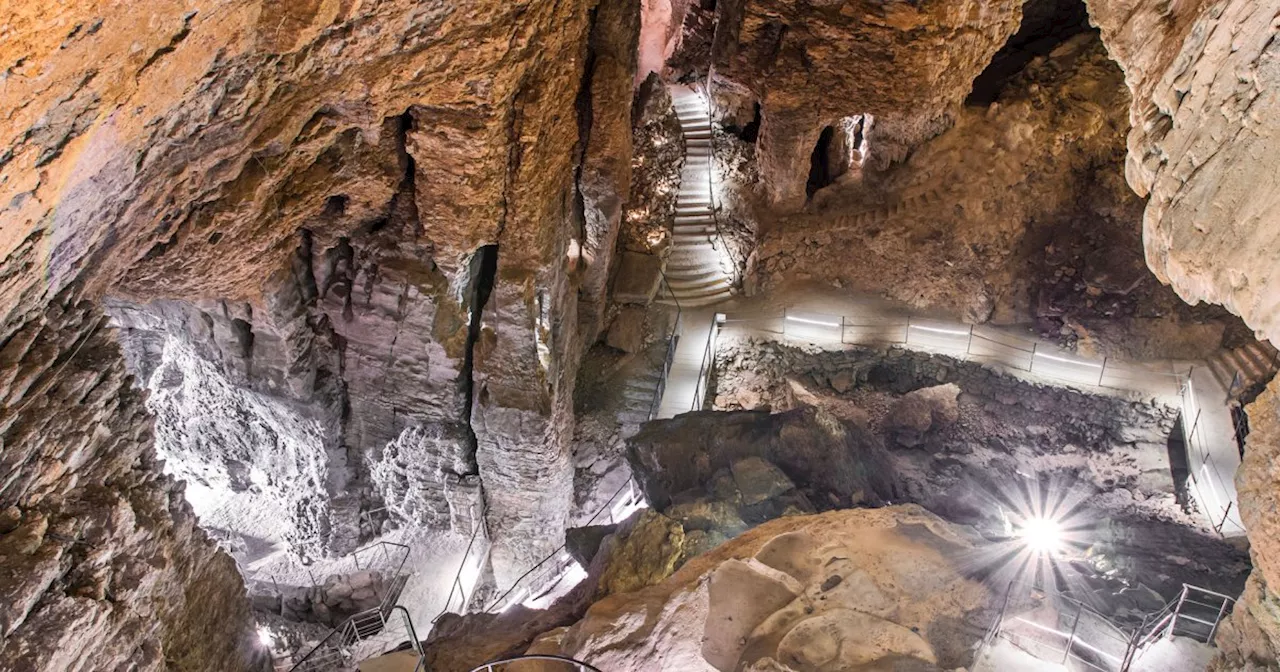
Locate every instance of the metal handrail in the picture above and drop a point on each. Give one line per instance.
(477, 525)
(700, 385)
(353, 630)
(711, 165)
(607, 506)
(672, 343)
(581, 666)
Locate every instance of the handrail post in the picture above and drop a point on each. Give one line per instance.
(1103, 371)
(1072, 638)
(1035, 345)
(1173, 622)
(1217, 621)
(969, 346)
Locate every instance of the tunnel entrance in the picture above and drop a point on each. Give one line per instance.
(820, 169)
(1045, 25)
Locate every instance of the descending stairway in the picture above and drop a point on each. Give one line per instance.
(696, 268)
(1256, 364)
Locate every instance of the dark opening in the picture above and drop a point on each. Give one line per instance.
(1045, 25)
(482, 272)
(750, 131)
(820, 174)
(336, 206)
(1179, 468)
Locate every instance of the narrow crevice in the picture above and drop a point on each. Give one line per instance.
(481, 272)
(583, 107)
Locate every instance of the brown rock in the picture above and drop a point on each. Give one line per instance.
(627, 331)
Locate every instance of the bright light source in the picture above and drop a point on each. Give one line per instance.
(1042, 535)
(265, 637)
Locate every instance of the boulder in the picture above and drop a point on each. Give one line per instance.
(637, 279)
(844, 590)
(759, 480)
(646, 551)
(582, 543)
(921, 411)
(833, 462)
(627, 331)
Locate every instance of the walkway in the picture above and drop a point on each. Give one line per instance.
(697, 270)
(834, 319)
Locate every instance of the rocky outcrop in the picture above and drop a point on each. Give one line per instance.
(834, 463)
(102, 564)
(1204, 93)
(346, 241)
(810, 68)
(840, 590)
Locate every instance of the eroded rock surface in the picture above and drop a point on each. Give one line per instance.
(840, 590)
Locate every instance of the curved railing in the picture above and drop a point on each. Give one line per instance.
(575, 664)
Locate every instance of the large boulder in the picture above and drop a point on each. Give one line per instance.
(918, 412)
(847, 590)
(833, 463)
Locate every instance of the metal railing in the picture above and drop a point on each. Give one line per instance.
(993, 346)
(711, 169)
(456, 586)
(364, 635)
(1196, 613)
(704, 369)
(672, 342)
(570, 663)
(1060, 629)
(501, 602)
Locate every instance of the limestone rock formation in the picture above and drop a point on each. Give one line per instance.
(833, 463)
(841, 590)
(810, 67)
(1204, 95)
(102, 564)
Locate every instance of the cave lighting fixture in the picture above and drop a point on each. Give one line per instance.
(266, 637)
(1041, 535)
(819, 323)
(1069, 361)
(954, 332)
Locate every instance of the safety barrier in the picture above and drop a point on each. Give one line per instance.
(512, 664)
(543, 570)
(1211, 480)
(1060, 629)
(456, 587)
(984, 344)
(365, 635)
(672, 342)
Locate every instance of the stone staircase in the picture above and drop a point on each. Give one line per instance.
(1255, 363)
(637, 397)
(696, 265)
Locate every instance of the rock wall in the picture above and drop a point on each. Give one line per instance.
(1204, 82)
(102, 564)
(841, 590)
(362, 228)
(1203, 78)
(810, 66)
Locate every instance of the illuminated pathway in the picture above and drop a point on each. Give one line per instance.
(832, 319)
